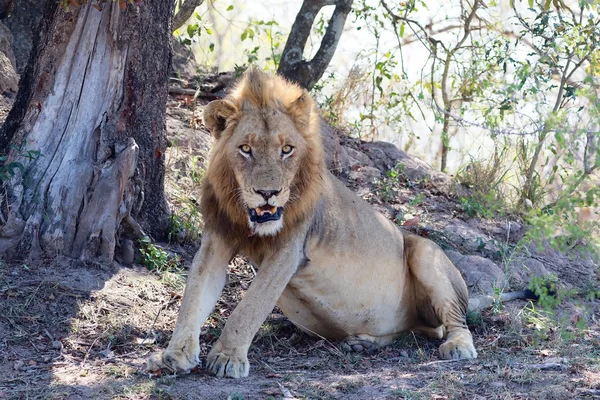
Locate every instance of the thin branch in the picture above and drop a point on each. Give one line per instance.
(186, 10)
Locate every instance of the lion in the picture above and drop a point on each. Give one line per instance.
(336, 267)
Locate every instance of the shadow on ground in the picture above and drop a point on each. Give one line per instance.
(75, 331)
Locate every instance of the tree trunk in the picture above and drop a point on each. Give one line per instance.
(92, 103)
(292, 65)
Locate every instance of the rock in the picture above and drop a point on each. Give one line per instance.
(199, 141)
(576, 266)
(183, 63)
(522, 269)
(24, 24)
(385, 156)
(358, 158)
(127, 251)
(336, 155)
(365, 175)
(9, 80)
(6, 41)
(470, 239)
(480, 274)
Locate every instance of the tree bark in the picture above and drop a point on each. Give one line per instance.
(92, 103)
(185, 12)
(292, 65)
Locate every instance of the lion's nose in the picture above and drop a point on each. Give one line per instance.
(267, 194)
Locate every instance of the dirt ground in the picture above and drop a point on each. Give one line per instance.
(74, 331)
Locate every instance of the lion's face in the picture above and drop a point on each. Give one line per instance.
(267, 155)
(265, 149)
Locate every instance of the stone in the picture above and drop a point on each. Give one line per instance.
(365, 175)
(470, 239)
(576, 266)
(9, 80)
(336, 155)
(480, 274)
(386, 156)
(522, 269)
(6, 41)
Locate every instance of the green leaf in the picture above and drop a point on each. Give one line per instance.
(211, 47)
(191, 29)
(401, 33)
(208, 30)
(530, 3)
(230, 8)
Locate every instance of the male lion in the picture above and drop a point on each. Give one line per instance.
(335, 266)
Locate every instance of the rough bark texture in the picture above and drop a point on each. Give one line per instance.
(92, 103)
(292, 65)
(185, 12)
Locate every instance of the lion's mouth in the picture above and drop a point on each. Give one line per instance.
(265, 213)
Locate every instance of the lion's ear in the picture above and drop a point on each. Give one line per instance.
(216, 114)
(301, 109)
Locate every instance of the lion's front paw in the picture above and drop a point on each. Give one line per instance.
(458, 347)
(224, 362)
(177, 358)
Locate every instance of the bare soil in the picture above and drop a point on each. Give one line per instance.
(74, 331)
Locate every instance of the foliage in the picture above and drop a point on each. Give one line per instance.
(269, 32)
(528, 80)
(9, 168)
(185, 225)
(157, 259)
(393, 179)
(546, 291)
(548, 317)
(192, 32)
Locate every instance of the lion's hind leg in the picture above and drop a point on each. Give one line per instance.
(441, 296)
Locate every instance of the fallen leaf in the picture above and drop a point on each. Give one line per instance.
(412, 221)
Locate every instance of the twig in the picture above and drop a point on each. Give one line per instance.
(287, 395)
(19, 285)
(589, 392)
(87, 354)
(542, 366)
(439, 362)
(505, 132)
(337, 351)
(167, 304)
(193, 92)
(137, 229)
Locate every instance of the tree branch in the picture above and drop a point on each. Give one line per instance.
(292, 65)
(185, 12)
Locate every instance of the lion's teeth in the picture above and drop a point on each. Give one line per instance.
(262, 210)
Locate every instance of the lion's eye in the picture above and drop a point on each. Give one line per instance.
(246, 149)
(287, 150)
